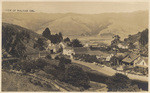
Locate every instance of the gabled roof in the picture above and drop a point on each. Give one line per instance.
(130, 58)
(145, 59)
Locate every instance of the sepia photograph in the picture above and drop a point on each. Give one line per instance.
(74, 46)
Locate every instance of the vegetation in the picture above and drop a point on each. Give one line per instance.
(15, 42)
(57, 38)
(144, 37)
(40, 44)
(75, 43)
(86, 57)
(116, 40)
(67, 40)
(76, 76)
(120, 82)
(29, 65)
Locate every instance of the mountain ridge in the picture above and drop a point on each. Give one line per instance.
(122, 24)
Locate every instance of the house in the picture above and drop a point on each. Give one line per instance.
(130, 59)
(122, 45)
(141, 62)
(68, 51)
(136, 60)
(62, 44)
(86, 45)
(109, 57)
(53, 48)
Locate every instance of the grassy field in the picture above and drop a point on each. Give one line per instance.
(92, 39)
(16, 82)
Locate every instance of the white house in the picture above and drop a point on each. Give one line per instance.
(53, 48)
(63, 45)
(109, 57)
(68, 51)
(141, 62)
(123, 46)
(86, 45)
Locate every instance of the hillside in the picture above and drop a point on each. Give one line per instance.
(10, 32)
(105, 24)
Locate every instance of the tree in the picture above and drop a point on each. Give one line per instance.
(120, 82)
(40, 44)
(76, 76)
(131, 45)
(116, 40)
(14, 42)
(46, 33)
(60, 36)
(76, 43)
(144, 37)
(114, 60)
(67, 40)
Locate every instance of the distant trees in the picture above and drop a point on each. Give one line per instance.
(116, 40)
(76, 43)
(144, 37)
(67, 40)
(57, 38)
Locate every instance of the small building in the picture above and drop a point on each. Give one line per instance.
(109, 57)
(68, 51)
(86, 45)
(53, 48)
(141, 62)
(62, 44)
(136, 60)
(130, 59)
(122, 45)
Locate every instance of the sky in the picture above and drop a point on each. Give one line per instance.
(76, 7)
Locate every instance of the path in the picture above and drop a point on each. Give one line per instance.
(109, 71)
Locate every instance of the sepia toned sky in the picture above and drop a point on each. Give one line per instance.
(76, 7)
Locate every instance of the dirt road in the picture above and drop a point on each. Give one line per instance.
(109, 71)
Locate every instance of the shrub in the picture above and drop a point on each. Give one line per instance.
(50, 70)
(76, 76)
(48, 57)
(40, 63)
(120, 82)
(28, 65)
(57, 57)
(65, 60)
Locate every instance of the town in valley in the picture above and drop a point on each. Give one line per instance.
(69, 52)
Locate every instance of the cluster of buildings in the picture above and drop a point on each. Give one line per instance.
(129, 58)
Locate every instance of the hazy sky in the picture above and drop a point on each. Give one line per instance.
(76, 7)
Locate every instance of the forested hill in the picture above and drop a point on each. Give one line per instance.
(142, 37)
(16, 38)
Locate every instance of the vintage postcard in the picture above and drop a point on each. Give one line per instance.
(74, 46)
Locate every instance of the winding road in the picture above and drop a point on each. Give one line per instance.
(109, 71)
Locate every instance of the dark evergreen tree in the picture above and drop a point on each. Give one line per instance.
(144, 37)
(76, 43)
(15, 42)
(67, 40)
(40, 44)
(46, 33)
